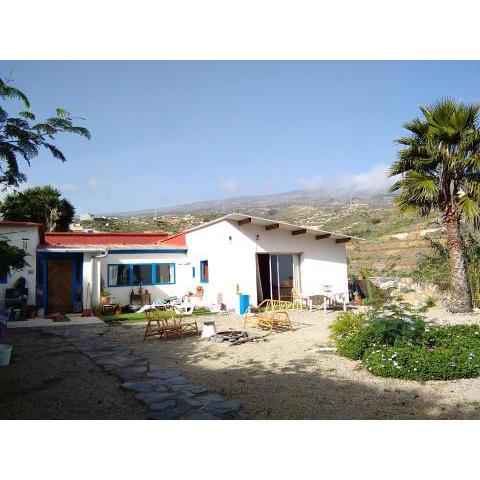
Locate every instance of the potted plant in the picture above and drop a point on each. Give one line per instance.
(118, 309)
(140, 289)
(105, 297)
(32, 311)
(97, 309)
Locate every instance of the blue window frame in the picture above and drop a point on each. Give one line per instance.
(3, 278)
(136, 274)
(193, 272)
(164, 273)
(204, 271)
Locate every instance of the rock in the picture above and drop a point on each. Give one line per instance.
(163, 373)
(155, 397)
(223, 407)
(158, 406)
(210, 397)
(171, 413)
(200, 416)
(141, 387)
(180, 380)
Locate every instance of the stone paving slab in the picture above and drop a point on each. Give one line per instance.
(166, 391)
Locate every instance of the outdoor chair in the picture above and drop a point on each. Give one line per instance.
(165, 324)
(4, 317)
(270, 314)
(158, 323)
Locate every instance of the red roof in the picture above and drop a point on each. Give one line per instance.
(109, 239)
(11, 223)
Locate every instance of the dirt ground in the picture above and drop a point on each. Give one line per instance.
(288, 377)
(49, 379)
(284, 376)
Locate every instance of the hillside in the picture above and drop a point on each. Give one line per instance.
(391, 243)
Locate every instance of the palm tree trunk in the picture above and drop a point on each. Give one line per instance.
(461, 300)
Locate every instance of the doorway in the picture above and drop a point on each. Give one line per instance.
(60, 293)
(277, 275)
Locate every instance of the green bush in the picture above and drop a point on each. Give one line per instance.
(346, 323)
(398, 343)
(354, 345)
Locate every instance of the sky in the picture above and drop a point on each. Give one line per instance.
(166, 133)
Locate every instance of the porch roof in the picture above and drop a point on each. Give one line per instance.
(271, 224)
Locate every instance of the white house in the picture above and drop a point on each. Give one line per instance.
(27, 236)
(233, 254)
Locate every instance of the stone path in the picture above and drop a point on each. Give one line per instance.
(166, 392)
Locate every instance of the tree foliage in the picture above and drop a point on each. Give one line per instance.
(11, 257)
(41, 205)
(439, 166)
(22, 137)
(440, 161)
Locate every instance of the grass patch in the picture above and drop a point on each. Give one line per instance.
(135, 317)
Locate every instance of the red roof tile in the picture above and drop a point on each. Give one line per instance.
(117, 240)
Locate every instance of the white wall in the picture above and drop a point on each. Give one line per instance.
(15, 235)
(230, 250)
(183, 275)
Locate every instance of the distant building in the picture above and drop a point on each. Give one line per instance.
(86, 217)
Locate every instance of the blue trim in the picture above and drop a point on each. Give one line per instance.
(4, 278)
(130, 280)
(75, 257)
(202, 271)
(193, 272)
(44, 284)
(131, 276)
(153, 250)
(174, 273)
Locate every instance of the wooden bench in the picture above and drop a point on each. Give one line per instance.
(270, 314)
(164, 324)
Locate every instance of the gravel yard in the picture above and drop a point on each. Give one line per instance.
(280, 376)
(288, 377)
(48, 378)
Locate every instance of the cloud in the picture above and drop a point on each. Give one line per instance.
(68, 188)
(94, 184)
(228, 185)
(313, 183)
(374, 180)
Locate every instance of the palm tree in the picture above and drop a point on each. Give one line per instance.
(439, 164)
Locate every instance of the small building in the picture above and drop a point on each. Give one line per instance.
(233, 254)
(27, 236)
(85, 217)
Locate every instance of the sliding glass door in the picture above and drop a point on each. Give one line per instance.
(277, 275)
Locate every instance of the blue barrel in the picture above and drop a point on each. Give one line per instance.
(244, 303)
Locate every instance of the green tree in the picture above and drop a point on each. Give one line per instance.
(11, 257)
(439, 164)
(41, 205)
(23, 137)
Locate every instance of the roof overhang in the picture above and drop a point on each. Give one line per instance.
(271, 224)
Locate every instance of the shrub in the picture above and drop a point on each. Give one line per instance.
(345, 324)
(354, 345)
(398, 343)
(420, 363)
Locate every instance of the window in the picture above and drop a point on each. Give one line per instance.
(193, 272)
(4, 277)
(164, 273)
(118, 275)
(204, 271)
(133, 275)
(25, 244)
(142, 274)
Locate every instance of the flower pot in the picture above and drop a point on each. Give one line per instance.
(104, 300)
(118, 311)
(5, 354)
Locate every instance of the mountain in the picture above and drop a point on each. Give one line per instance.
(311, 198)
